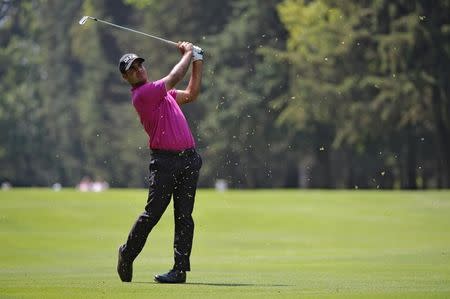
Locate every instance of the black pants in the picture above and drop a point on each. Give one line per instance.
(170, 174)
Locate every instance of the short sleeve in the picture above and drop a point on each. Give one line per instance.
(173, 93)
(152, 93)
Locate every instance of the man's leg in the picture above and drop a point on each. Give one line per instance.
(161, 183)
(137, 237)
(183, 202)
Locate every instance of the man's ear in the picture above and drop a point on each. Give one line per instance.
(124, 77)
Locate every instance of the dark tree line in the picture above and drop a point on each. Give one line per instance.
(323, 94)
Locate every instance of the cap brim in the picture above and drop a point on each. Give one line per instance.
(127, 67)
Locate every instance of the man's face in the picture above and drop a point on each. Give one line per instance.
(136, 74)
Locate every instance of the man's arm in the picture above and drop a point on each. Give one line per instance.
(193, 88)
(180, 69)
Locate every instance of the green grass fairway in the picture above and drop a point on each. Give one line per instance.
(247, 244)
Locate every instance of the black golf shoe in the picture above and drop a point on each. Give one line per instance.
(124, 268)
(173, 276)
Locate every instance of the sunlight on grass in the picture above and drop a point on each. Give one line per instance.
(247, 244)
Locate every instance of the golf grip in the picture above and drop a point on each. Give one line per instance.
(198, 49)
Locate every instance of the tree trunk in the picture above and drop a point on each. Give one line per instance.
(442, 135)
(411, 161)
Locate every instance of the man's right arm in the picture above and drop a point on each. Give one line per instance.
(180, 69)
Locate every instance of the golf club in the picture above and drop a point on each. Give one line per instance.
(84, 19)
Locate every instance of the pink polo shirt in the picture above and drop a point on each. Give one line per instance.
(162, 117)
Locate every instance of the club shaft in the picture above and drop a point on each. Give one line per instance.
(138, 32)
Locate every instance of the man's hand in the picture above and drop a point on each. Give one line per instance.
(185, 47)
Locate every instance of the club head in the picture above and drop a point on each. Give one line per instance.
(83, 20)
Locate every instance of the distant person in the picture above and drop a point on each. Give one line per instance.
(6, 186)
(174, 164)
(85, 184)
(56, 187)
(99, 186)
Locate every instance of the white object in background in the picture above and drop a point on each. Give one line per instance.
(221, 185)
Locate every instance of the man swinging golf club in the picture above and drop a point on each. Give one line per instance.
(174, 165)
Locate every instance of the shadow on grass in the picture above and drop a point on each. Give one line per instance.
(238, 284)
(215, 284)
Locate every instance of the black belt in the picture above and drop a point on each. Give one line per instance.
(183, 153)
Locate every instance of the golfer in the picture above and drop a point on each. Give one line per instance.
(174, 164)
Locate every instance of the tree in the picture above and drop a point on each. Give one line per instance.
(22, 115)
(243, 145)
(363, 56)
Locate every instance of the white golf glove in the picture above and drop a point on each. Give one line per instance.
(197, 53)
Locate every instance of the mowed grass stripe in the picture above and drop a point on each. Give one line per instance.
(247, 244)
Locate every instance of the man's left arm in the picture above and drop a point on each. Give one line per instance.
(193, 89)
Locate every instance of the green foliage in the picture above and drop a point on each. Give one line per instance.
(357, 79)
(21, 113)
(320, 93)
(141, 4)
(243, 145)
